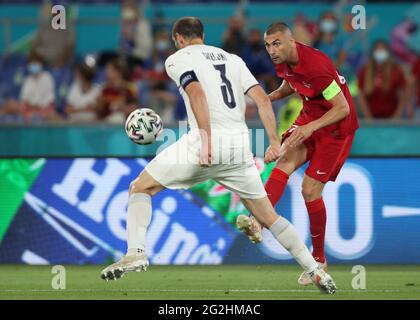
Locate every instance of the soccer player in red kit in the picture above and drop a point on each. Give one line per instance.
(322, 134)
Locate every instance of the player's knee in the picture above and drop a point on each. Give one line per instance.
(286, 165)
(137, 186)
(311, 192)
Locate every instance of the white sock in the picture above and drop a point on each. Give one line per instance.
(287, 236)
(138, 219)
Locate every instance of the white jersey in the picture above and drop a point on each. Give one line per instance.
(224, 78)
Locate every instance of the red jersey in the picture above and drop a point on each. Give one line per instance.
(416, 74)
(383, 102)
(124, 95)
(312, 75)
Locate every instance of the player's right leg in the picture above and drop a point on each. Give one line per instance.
(291, 160)
(139, 215)
(172, 168)
(285, 233)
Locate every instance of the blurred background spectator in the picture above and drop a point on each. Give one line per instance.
(414, 101)
(119, 94)
(382, 84)
(257, 59)
(136, 41)
(54, 46)
(37, 97)
(83, 95)
(233, 37)
(329, 41)
(130, 41)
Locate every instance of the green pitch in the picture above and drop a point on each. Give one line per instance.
(206, 282)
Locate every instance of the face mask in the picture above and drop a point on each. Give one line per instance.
(161, 45)
(34, 67)
(128, 14)
(327, 26)
(380, 55)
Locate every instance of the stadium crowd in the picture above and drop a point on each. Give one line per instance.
(52, 84)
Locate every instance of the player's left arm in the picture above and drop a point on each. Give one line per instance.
(339, 110)
(178, 67)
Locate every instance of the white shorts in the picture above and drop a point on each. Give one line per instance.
(233, 166)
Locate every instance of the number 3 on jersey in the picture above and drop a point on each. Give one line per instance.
(226, 87)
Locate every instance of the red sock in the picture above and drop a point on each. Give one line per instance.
(318, 220)
(275, 185)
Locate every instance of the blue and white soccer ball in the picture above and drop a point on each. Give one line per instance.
(143, 126)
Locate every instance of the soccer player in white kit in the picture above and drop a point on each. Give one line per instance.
(213, 84)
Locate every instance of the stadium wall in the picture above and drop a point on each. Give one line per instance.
(72, 210)
(111, 141)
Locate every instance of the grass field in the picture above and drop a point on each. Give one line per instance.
(205, 282)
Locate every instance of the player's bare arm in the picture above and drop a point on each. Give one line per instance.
(283, 91)
(340, 109)
(201, 112)
(268, 119)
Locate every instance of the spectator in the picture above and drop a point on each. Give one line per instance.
(353, 45)
(305, 30)
(414, 105)
(382, 85)
(162, 50)
(162, 99)
(256, 57)
(37, 97)
(10, 111)
(328, 40)
(119, 95)
(82, 97)
(233, 38)
(136, 33)
(55, 47)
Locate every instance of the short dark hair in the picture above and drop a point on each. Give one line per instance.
(278, 27)
(120, 64)
(189, 28)
(87, 73)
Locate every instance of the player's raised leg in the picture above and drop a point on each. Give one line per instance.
(285, 233)
(291, 159)
(139, 215)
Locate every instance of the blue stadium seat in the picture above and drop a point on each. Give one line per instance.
(62, 79)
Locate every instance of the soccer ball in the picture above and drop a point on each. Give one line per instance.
(143, 126)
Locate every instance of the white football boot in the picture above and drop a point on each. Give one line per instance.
(129, 263)
(305, 279)
(323, 281)
(250, 226)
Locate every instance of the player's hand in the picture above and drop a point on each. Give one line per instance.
(205, 155)
(272, 153)
(299, 135)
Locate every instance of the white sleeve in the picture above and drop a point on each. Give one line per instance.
(71, 97)
(49, 89)
(25, 90)
(179, 69)
(246, 77)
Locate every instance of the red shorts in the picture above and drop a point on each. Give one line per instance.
(326, 154)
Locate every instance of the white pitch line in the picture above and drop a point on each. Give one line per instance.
(193, 290)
